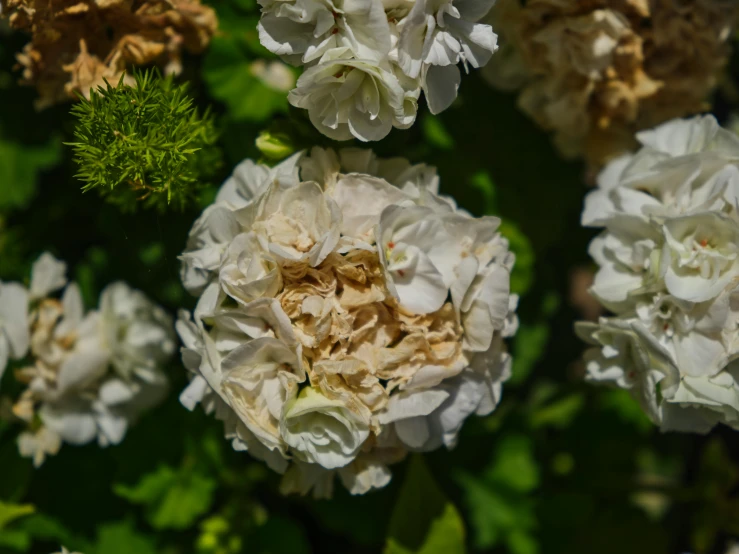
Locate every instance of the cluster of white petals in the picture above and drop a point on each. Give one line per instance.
(669, 270)
(367, 61)
(88, 375)
(348, 314)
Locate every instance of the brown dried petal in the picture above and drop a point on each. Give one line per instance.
(597, 71)
(75, 45)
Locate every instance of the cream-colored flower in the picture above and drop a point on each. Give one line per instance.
(669, 270)
(76, 47)
(304, 30)
(594, 72)
(14, 338)
(356, 315)
(259, 378)
(295, 224)
(90, 374)
(322, 430)
(352, 97)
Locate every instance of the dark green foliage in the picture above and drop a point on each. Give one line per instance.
(424, 520)
(560, 467)
(145, 144)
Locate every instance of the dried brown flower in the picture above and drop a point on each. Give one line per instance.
(596, 71)
(76, 44)
(348, 322)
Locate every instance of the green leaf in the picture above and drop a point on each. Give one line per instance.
(520, 542)
(230, 72)
(174, 499)
(484, 183)
(531, 340)
(627, 408)
(522, 276)
(123, 538)
(435, 133)
(11, 512)
(558, 414)
(14, 539)
(18, 540)
(498, 501)
(279, 535)
(424, 520)
(19, 170)
(514, 465)
(528, 346)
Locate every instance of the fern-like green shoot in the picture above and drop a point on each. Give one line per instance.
(144, 144)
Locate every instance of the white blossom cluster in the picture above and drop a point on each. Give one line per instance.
(367, 61)
(348, 314)
(668, 262)
(88, 374)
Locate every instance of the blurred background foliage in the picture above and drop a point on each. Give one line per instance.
(559, 467)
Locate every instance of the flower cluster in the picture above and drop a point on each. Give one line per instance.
(347, 315)
(669, 269)
(89, 375)
(75, 46)
(596, 71)
(367, 61)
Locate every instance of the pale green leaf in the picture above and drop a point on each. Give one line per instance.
(174, 499)
(123, 538)
(11, 512)
(19, 168)
(424, 521)
(229, 73)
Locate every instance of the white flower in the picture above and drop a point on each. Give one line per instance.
(14, 338)
(322, 430)
(437, 35)
(294, 224)
(138, 333)
(367, 61)
(208, 239)
(91, 374)
(250, 179)
(37, 446)
(248, 271)
(669, 269)
(700, 256)
(259, 378)
(427, 252)
(47, 276)
(352, 97)
(355, 315)
(304, 30)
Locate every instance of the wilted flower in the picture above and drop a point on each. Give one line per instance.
(89, 375)
(76, 46)
(366, 62)
(669, 269)
(348, 313)
(596, 71)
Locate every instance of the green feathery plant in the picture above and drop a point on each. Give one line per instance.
(145, 143)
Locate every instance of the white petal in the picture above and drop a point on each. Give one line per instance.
(47, 276)
(440, 86)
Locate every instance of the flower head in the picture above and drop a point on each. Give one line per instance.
(89, 374)
(349, 315)
(76, 47)
(366, 62)
(668, 269)
(594, 72)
